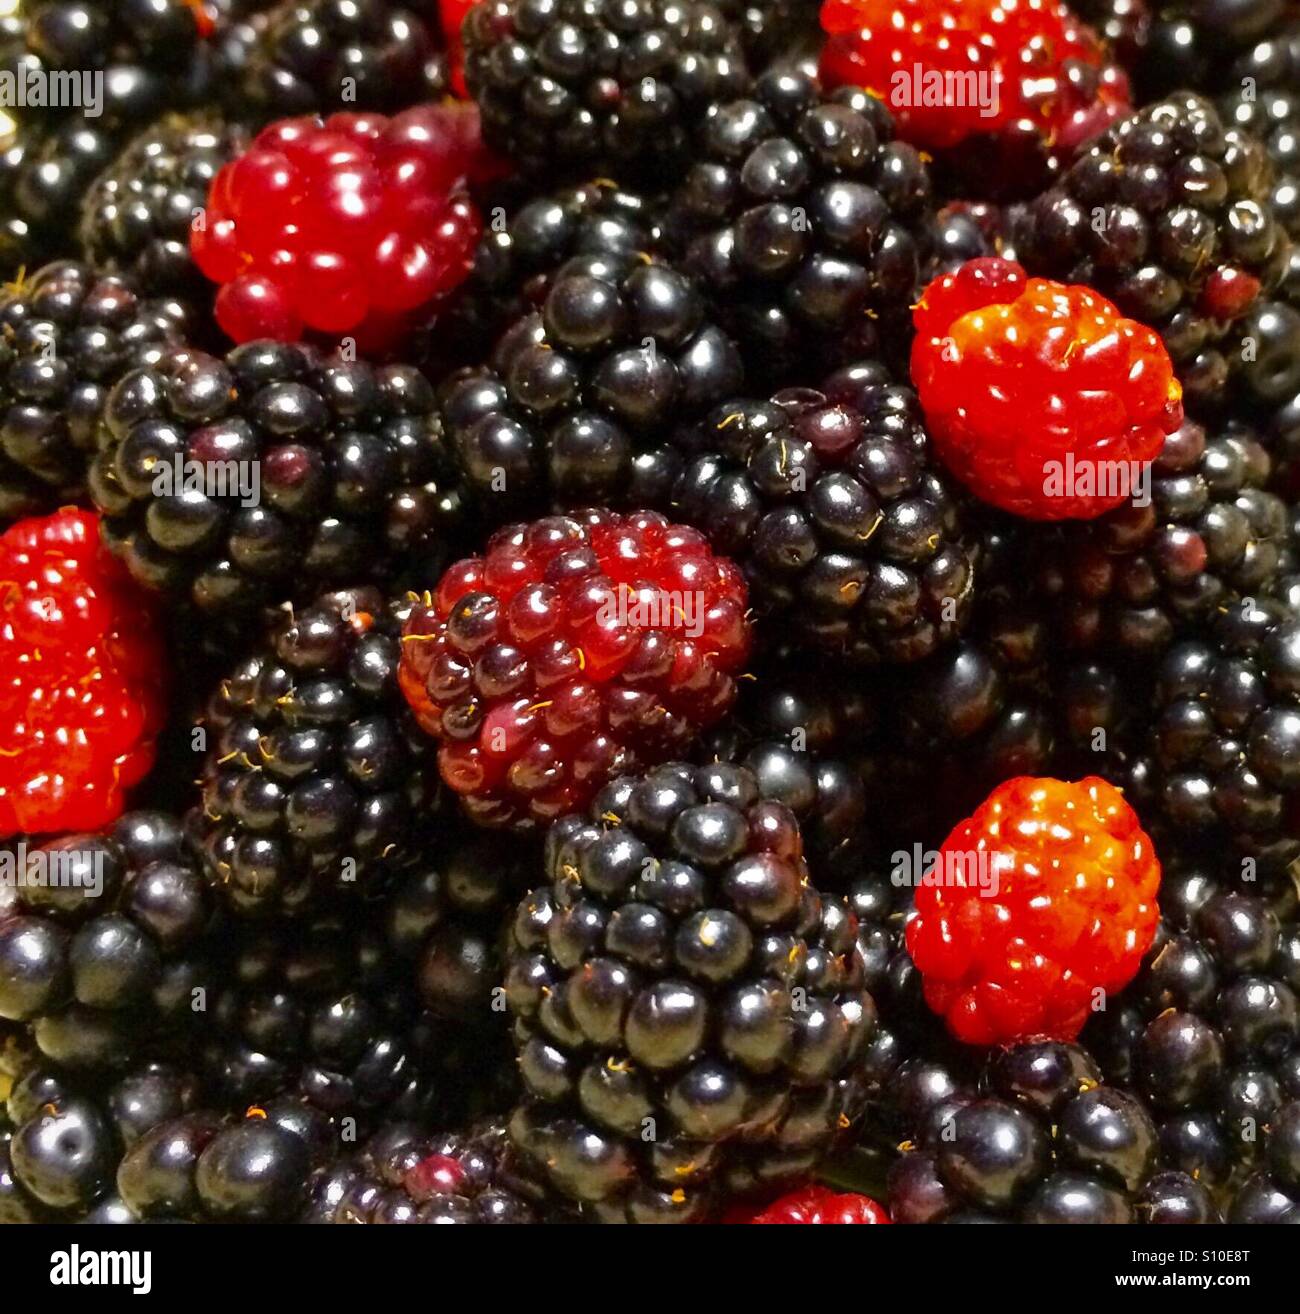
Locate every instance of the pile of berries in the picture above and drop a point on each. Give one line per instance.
(651, 611)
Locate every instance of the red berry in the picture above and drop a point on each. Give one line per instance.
(950, 70)
(347, 226)
(452, 14)
(1043, 399)
(436, 1174)
(815, 1204)
(574, 650)
(83, 666)
(1041, 904)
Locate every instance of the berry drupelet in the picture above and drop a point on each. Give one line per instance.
(404, 1175)
(581, 84)
(580, 395)
(138, 217)
(324, 56)
(272, 474)
(654, 981)
(832, 506)
(67, 335)
(314, 778)
(1039, 906)
(805, 220)
(1207, 534)
(1041, 398)
(352, 225)
(82, 698)
(102, 945)
(1045, 1142)
(574, 650)
(1186, 240)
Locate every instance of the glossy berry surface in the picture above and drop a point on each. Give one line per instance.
(347, 226)
(84, 672)
(818, 1204)
(678, 965)
(1041, 398)
(1042, 71)
(1041, 899)
(573, 650)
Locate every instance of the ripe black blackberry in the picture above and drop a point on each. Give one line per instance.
(582, 84)
(1272, 114)
(774, 30)
(404, 1175)
(445, 916)
(153, 54)
(654, 982)
(578, 400)
(806, 222)
(1192, 43)
(316, 778)
(103, 942)
(516, 261)
(353, 480)
(206, 1167)
(318, 1011)
(1044, 1142)
(828, 500)
(1209, 1031)
(1209, 534)
(1187, 240)
(1221, 755)
(804, 744)
(67, 335)
(327, 56)
(138, 216)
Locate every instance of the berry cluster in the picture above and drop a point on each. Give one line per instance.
(649, 611)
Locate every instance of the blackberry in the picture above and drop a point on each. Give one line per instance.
(103, 943)
(804, 746)
(404, 1175)
(316, 778)
(1209, 1031)
(152, 55)
(831, 505)
(1220, 757)
(324, 56)
(1208, 535)
(583, 84)
(1272, 114)
(317, 1011)
(805, 221)
(1273, 1194)
(653, 982)
(774, 31)
(580, 395)
(1044, 1142)
(204, 1167)
(272, 474)
(1185, 42)
(67, 334)
(516, 261)
(445, 915)
(138, 216)
(1187, 240)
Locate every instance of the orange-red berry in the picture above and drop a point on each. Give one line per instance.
(1041, 905)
